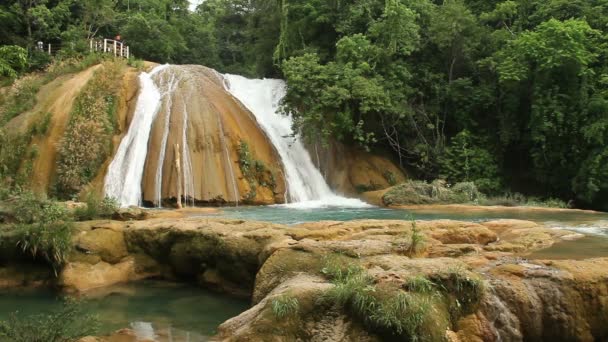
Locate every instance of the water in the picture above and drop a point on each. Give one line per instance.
(591, 246)
(306, 187)
(167, 84)
(123, 180)
(576, 221)
(149, 307)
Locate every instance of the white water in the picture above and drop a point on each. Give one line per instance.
(123, 180)
(599, 228)
(187, 175)
(167, 88)
(306, 187)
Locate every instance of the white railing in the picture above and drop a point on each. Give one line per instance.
(118, 48)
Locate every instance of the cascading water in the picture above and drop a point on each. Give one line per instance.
(306, 187)
(167, 89)
(123, 180)
(188, 184)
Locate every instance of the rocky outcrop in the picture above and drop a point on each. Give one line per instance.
(216, 126)
(197, 112)
(485, 289)
(353, 171)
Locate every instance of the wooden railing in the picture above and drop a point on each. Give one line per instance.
(115, 47)
(118, 48)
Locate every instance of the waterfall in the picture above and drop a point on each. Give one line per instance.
(167, 91)
(306, 187)
(187, 177)
(123, 180)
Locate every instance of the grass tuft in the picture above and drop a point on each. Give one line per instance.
(285, 306)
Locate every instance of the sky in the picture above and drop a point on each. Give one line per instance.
(194, 3)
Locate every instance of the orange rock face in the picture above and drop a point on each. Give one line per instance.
(214, 124)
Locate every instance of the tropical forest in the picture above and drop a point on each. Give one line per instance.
(303, 170)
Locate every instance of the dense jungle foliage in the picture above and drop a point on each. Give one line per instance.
(512, 95)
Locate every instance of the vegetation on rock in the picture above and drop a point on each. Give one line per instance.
(284, 306)
(87, 141)
(396, 312)
(255, 171)
(44, 229)
(69, 323)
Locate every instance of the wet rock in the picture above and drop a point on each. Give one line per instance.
(130, 214)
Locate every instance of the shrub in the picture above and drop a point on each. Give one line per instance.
(392, 312)
(255, 171)
(34, 209)
(390, 178)
(20, 98)
(466, 192)
(87, 141)
(284, 306)
(12, 149)
(68, 323)
(50, 241)
(136, 63)
(462, 289)
(417, 241)
(437, 192)
(96, 208)
(13, 60)
(44, 229)
(466, 159)
(516, 199)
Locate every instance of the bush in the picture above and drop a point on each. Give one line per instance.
(462, 289)
(284, 306)
(96, 209)
(390, 178)
(20, 98)
(516, 199)
(50, 241)
(437, 192)
(255, 171)
(466, 160)
(13, 147)
(87, 141)
(69, 323)
(35, 209)
(13, 60)
(466, 192)
(417, 241)
(44, 229)
(390, 312)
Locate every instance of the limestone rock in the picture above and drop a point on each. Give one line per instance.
(81, 277)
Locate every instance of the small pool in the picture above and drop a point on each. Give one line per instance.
(181, 312)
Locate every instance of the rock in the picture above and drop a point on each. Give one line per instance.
(313, 322)
(25, 275)
(485, 291)
(104, 239)
(130, 214)
(354, 171)
(81, 277)
(463, 233)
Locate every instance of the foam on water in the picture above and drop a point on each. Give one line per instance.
(599, 228)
